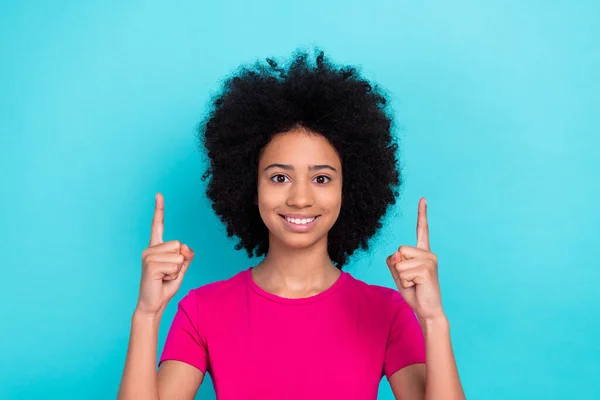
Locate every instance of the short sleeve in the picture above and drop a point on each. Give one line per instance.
(406, 344)
(185, 342)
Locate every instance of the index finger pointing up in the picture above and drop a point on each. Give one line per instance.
(422, 226)
(158, 222)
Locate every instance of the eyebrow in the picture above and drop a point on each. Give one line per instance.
(310, 167)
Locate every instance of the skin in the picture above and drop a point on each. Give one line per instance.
(164, 265)
(299, 173)
(415, 272)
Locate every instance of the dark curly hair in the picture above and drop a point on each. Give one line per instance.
(264, 99)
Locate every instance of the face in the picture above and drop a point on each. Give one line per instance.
(299, 188)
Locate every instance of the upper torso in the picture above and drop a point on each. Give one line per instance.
(256, 345)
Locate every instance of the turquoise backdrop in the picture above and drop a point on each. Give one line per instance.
(499, 105)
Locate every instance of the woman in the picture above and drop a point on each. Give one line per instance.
(302, 168)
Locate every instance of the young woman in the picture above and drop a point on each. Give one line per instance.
(302, 168)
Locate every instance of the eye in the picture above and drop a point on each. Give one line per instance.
(279, 178)
(322, 179)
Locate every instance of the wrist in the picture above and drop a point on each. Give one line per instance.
(434, 323)
(147, 317)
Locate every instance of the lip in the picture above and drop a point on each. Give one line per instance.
(299, 228)
(299, 216)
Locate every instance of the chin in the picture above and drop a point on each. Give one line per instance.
(297, 241)
(300, 244)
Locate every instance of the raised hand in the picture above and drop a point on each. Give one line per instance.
(163, 266)
(415, 271)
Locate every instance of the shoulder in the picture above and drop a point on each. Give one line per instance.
(376, 295)
(204, 305)
(376, 292)
(215, 292)
(219, 289)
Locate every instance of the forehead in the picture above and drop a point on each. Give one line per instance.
(300, 148)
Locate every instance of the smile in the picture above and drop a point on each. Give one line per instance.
(299, 224)
(300, 221)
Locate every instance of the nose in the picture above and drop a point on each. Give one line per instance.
(300, 195)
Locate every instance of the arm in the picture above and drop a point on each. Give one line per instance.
(415, 271)
(438, 378)
(175, 379)
(139, 375)
(163, 268)
(178, 380)
(442, 373)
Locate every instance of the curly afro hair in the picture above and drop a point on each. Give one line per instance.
(265, 99)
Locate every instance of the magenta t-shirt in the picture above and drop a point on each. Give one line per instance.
(337, 344)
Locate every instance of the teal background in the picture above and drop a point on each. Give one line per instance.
(499, 107)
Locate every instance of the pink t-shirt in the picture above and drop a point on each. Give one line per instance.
(337, 344)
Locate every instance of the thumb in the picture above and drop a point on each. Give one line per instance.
(391, 262)
(188, 254)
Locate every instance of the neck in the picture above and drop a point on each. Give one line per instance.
(294, 272)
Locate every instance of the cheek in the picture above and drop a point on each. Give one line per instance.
(333, 197)
(267, 198)
(331, 201)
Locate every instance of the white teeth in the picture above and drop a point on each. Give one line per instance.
(298, 221)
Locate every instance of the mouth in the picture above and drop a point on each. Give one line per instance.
(299, 224)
